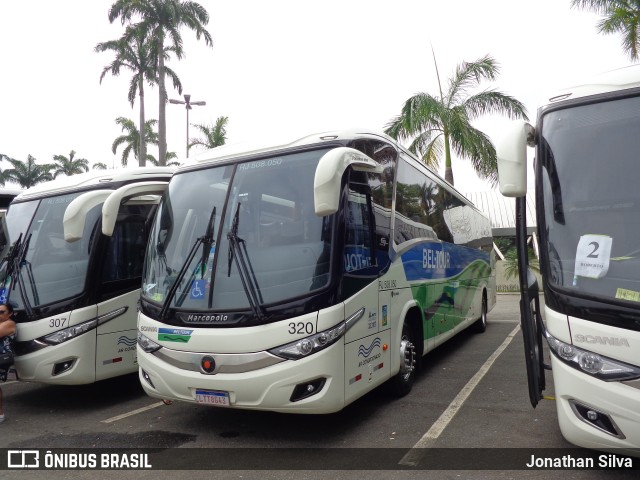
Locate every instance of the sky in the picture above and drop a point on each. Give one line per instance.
(283, 68)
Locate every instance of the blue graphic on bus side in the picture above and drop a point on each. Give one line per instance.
(435, 260)
(366, 351)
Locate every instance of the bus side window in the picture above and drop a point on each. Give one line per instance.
(125, 252)
(367, 227)
(358, 249)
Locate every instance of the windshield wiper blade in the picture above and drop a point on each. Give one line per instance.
(19, 261)
(238, 253)
(207, 241)
(172, 291)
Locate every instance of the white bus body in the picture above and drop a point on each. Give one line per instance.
(297, 278)
(73, 272)
(586, 142)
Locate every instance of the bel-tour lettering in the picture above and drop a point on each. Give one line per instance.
(435, 259)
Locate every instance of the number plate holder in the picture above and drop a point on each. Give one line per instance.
(216, 398)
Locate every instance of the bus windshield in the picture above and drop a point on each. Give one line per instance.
(50, 269)
(590, 170)
(239, 236)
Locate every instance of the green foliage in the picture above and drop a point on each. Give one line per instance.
(511, 262)
(69, 165)
(26, 174)
(619, 16)
(214, 135)
(435, 124)
(131, 138)
(161, 21)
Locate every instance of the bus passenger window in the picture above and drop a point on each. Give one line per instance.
(359, 250)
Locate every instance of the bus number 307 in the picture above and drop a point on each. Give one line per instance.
(300, 327)
(58, 322)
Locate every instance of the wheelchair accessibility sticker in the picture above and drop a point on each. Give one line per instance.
(198, 289)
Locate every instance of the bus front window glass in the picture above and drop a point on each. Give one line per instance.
(591, 208)
(53, 269)
(285, 246)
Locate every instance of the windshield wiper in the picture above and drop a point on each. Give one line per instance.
(8, 263)
(207, 241)
(20, 260)
(238, 253)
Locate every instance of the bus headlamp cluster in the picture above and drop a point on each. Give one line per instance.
(147, 344)
(310, 345)
(67, 334)
(594, 364)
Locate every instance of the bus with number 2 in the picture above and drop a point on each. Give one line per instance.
(586, 171)
(298, 277)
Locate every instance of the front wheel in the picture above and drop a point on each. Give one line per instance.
(401, 384)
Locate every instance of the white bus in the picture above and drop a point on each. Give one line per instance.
(296, 278)
(73, 272)
(586, 140)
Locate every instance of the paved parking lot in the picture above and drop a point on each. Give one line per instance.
(471, 394)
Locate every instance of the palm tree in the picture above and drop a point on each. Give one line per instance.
(132, 53)
(27, 174)
(69, 166)
(135, 53)
(620, 16)
(214, 135)
(436, 124)
(99, 166)
(170, 156)
(160, 20)
(131, 139)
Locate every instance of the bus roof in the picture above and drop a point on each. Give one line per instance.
(265, 145)
(611, 81)
(93, 177)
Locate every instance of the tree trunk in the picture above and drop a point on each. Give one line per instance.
(162, 122)
(142, 151)
(448, 171)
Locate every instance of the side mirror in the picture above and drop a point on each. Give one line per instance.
(328, 177)
(511, 151)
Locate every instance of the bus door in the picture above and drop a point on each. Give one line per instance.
(126, 219)
(126, 216)
(367, 352)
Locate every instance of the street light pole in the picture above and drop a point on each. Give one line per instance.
(187, 104)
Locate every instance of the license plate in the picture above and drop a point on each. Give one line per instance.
(212, 397)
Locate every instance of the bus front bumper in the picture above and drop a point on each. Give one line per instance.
(270, 388)
(584, 403)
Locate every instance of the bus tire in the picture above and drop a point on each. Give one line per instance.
(480, 325)
(401, 384)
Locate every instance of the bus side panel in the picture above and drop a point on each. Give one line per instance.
(367, 364)
(116, 340)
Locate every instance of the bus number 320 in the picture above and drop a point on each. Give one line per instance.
(301, 327)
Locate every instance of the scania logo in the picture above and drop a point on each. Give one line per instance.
(612, 341)
(207, 364)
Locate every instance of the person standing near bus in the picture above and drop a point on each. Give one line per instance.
(7, 338)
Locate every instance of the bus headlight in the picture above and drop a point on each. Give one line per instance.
(147, 344)
(592, 363)
(66, 334)
(310, 345)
